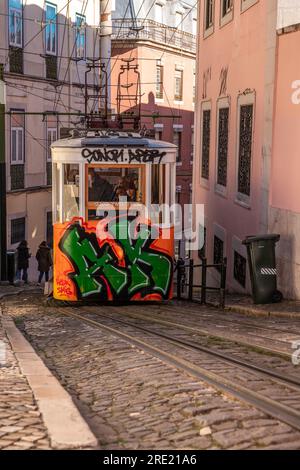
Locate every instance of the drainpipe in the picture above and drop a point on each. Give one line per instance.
(3, 243)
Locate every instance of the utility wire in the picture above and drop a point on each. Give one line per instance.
(84, 6)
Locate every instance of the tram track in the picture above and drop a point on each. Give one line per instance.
(206, 332)
(147, 341)
(223, 321)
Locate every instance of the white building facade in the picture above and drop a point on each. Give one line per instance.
(44, 47)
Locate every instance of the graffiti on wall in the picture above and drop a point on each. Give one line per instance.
(106, 266)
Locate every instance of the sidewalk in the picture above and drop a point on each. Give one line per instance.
(35, 410)
(21, 425)
(7, 289)
(244, 304)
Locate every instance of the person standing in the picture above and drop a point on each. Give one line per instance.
(23, 256)
(44, 260)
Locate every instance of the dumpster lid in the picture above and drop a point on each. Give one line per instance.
(260, 238)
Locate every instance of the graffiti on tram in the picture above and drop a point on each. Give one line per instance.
(94, 262)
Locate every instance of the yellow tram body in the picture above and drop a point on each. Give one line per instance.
(109, 196)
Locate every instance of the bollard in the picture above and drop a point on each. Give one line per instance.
(203, 282)
(191, 278)
(223, 283)
(178, 267)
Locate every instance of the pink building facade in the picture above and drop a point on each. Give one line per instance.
(246, 139)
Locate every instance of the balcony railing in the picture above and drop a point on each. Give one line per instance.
(150, 30)
(15, 59)
(51, 67)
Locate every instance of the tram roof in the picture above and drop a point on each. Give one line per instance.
(120, 139)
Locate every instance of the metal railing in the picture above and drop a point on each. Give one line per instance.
(150, 30)
(185, 281)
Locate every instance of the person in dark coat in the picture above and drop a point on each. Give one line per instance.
(23, 256)
(44, 260)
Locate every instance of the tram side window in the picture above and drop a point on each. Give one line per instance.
(71, 191)
(56, 186)
(157, 184)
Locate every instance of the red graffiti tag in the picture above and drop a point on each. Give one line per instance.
(63, 287)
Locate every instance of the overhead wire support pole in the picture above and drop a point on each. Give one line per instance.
(3, 234)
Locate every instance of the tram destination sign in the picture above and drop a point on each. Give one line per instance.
(124, 155)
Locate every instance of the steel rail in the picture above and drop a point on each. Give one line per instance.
(279, 352)
(237, 322)
(205, 332)
(277, 410)
(285, 379)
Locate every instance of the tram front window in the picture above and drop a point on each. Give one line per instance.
(112, 184)
(71, 191)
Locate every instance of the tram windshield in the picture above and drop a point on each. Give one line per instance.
(71, 191)
(112, 184)
(109, 184)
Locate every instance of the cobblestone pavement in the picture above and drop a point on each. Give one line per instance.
(21, 426)
(133, 400)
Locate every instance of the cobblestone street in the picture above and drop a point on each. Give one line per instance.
(21, 425)
(130, 399)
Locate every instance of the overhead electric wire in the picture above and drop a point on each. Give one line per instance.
(83, 10)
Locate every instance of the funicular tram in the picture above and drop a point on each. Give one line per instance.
(106, 247)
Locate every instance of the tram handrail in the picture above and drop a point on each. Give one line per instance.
(182, 266)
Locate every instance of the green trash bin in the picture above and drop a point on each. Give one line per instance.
(262, 266)
(11, 266)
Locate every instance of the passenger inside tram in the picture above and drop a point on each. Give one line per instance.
(109, 186)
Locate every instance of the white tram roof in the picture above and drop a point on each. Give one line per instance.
(113, 139)
(112, 147)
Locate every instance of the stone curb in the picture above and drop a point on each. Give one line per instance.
(248, 310)
(65, 425)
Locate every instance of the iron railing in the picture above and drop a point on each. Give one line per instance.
(185, 281)
(150, 30)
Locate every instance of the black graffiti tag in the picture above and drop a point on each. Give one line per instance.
(103, 155)
(117, 155)
(145, 155)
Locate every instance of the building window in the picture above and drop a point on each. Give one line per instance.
(17, 230)
(159, 13)
(223, 132)
(202, 236)
(209, 12)
(245, 149)
(192, 144)
(194, 86)
(240, 267)
(226, 7)
(245, 4)
(179, 21)
(178, 84)
(159, 87)
(17, 149)
(15, 23)
(51, 137)
(17, 146)
(49, 229)
(158, 134)
(218, 252)
(177, 142)
(80, 36)
(205, 143)
(51, 29)
(194, 26)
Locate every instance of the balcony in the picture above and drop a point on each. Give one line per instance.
(150, 30)
(51, 67)
(15, 59)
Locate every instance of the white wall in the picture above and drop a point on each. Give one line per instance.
(288, 13)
